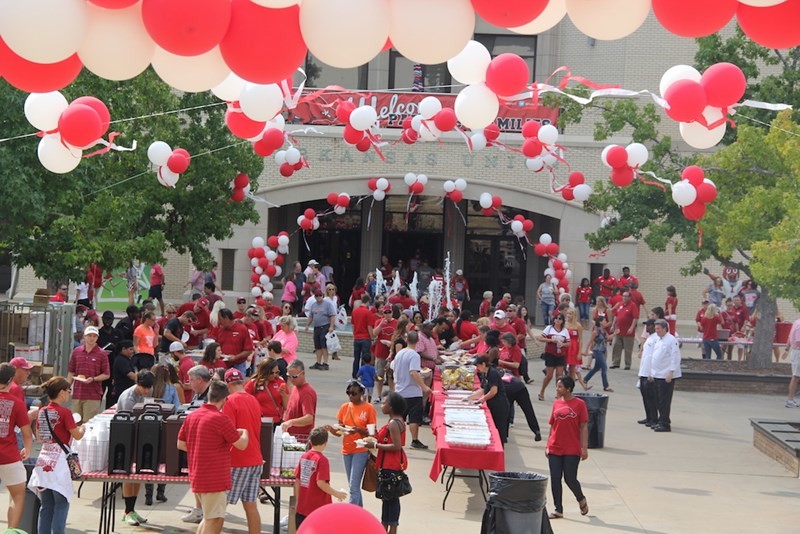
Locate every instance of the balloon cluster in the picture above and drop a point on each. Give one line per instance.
(68, 128)
(694, 192)
(170, 163)
(429, 124)
(266, 261)
(241, 187)
(700, 102)
(415, 182)
(489, 203)
(270, 140)
(309, 221)
(339, 202)
(577, 188)
(357, 123)
(380, 187)
(520, 225)
(481, 139)
(454, 189)
(557, 266)
(289, 161)
(624, 162)
(540, 145)
(545, 246)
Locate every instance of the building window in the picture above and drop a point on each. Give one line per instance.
(321, 75)
(522, 45)
(430, 78)
(227, 269)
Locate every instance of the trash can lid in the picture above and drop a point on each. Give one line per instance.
(518, 476)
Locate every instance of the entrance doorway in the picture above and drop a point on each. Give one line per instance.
(343, 249)
(496, 264)
(407, 245)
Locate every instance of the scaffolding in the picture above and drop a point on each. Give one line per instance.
(38, 332)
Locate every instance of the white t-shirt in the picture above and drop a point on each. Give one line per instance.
(550, 331)
(83, 291)
(405, 362)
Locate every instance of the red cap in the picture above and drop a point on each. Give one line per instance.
(20, 363)
(233, 375)
(202, 302)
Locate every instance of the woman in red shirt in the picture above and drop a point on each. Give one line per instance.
(709, 324)
(671, 308)
(465, 329)
(269, 389)
(567, 445)
(391, 458)
(510, 355)
(583, 295)
(358, 291)
(212, 359)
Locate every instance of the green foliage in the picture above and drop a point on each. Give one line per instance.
(104, 213)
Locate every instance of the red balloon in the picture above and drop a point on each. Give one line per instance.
(519, 218)
(272, 242)
(507, 75)
(238, 195)
(576, 178)
(37, 77)
(563, 283)
(689, 18)
(299, 165)
(279, 260)
(343, 201)
(410, 136)
(531, 129)
(706, 192)
(309, 213)
(260, 302)
(255, 278)
(80, 125)
(446, 120)
(251, 252)
(491, 132)
(622, 177)
(333, 198)
(283, 232)
(178, 163)
(270, 270)
(686, 99)
(364, 145)
(286, 170)
(262, 149)
(509, 13)
(241, 125)
(488, 211)
(456, 196)
(343, 111)
(97, 105)
(617, 157)
(263, 263)
(306, 224)
(552, 249)
(184, 152)
(258, 252)
(539, 249)
(114, 4)
(532, 147)
(273, 138)
(338, 519)
(372, 184)
(559, 273)
(351, 135)
(694, 211)
(568, 194)
(241, 181)
(557, 264)
(417, 188)
(724, 84)
(527, 225)
(186, 27)
(497, 202)
(771, 27)
(406, 124)
(256, 33)
(694, 175)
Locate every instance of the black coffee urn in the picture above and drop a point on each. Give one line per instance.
(121, 442)
(148, 437)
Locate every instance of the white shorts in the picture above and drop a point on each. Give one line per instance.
(13, 474)
(795, 357)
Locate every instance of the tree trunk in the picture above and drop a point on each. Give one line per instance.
(761, 355)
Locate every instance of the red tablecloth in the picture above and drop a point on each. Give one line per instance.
(490, 459)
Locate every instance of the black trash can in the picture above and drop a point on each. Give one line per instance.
(516, 504)
(597, 406)
(30, 515)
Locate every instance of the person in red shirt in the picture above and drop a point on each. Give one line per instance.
(270, 310)
(741, 317)
(567, 445)
(202, 323)
(460, 287)
(269, 390)
(157, 285)
(636, 296)
(583, 296)
(362, 320)
(382, 332)
(12, 472)
(21, 378)
(625, 281)
(312, 478)
(607, 283)
(88, 367)
(615, 299)
(625, 316)
(709, 324)
(671, 308)
(61, 294)
(386, 267)
(465, 329)
(510, 355)
(209, 434)
(235, 340)
(241, 308)
(402, 299)
(301, 410)
(503, 303)
(486, 303)
(246, 464)
(500, 323)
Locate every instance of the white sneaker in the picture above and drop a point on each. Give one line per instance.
(194, 516)
(791, 404)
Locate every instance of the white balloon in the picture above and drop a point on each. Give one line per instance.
(378, 195)
(261, 102)
(469, 66)
(271, 255)
(449, 186)
(416, 122)
(230, 88)
(280, 157)
(479, 141)
(461, 184)
(362, 27)
(516, 226)
(315, 223)
(549, 271)
(43, 31)
(485, 200)
(363, 117)
(283, 249)
(431, 32)
(678, 72)
(263, 279)
(253, 262)
(268, 287)
(545, 239)
(568, 274)
(257, 269)
(283, 240)
(698, 136)
(549, 159)
(637, 154)
(476, 106)
(429, 132)
(339, 210)
(429, 106)
(56, 156)
(277, 122)
(382, 184)
(552, 15)
(761, 3)
(278, 272)
(534, 164)
(582, 192)
(564, 265)
(158, 153)
(258, 242)
(43, 109)
(409, 178)
(562, 257)
(191, 74)
(169, 178)
(683, 193)
(608, 19)
(423, 179)
(300, 219)
(276, 4)
(132, 50)
(548, 134)
(256, 292)
(293, 156)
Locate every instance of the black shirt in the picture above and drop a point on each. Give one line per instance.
(125, 328)
(176, 327)
(492, 378)
(143, 360)
(119, 373)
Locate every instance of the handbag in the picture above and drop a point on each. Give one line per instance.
(392, 484)
(370, 480)
(332, 342)
(73, 463)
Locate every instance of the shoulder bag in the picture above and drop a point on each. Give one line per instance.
(392, 484)
(73, 463)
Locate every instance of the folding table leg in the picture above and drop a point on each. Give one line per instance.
(276, 518)
(451, 478)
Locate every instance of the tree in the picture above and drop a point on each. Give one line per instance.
(104, 213)
(756, 212)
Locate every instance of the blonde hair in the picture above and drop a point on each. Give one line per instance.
(711, 311)
(483, 321)
(288, 320)
(213, 317)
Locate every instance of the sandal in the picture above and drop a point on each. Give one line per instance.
(556, 515)
(587, 388)
(609, 390)
(584, 506)
(529, 381)
(541, 396)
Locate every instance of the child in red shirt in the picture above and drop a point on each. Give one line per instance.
(312, 478)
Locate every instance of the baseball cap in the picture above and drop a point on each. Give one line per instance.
(91, 330)
(499, 314)
(267, 295)
(313, 262)
(202, 301)
(20, 363)
(388, 307)
(459, 272)
(176, 346)
(511, 307)
(233, 375)
(241, 300)
(317, 293)
(705, 301)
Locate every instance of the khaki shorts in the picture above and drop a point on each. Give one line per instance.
(213, 504)
(13, 474)
(795, 358)
(87, 408)
(380, 368)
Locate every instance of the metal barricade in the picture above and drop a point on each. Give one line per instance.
(37, 332)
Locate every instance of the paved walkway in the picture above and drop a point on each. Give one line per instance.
(704, 477)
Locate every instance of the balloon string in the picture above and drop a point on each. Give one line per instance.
(461, 214)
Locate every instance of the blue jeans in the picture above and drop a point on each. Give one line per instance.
(241, 366)
(599, 365)
(547, 311)
(354, 465)
(360, 350)
(583, 310)
(708, 346)
(53, 513)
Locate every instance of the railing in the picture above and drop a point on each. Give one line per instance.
(37, 332)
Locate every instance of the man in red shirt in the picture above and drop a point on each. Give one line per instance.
(12, 472)
(361, 320)
(302, 406)
(185, 362)
(607, 283)
(636, 297)
(246, 465)
(241, 308)
(625, 315)
(626, 280)
(381, 333)
(234, 340)
(503, 303)
(402, 299)
(270, 310)
(202, 323)
(157, 285)
(21, 378)
(88, 367)
(207, 436)
(501, 323)
(61, 294)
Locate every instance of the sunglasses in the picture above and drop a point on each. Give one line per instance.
(295, 376)
(387, 312)
(64, 288)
